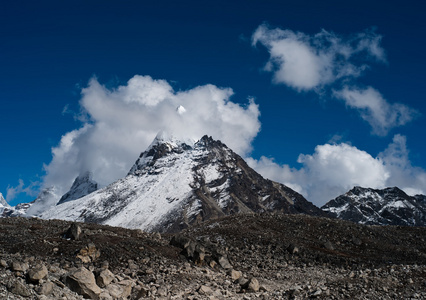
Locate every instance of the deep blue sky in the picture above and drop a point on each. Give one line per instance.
(50, 49)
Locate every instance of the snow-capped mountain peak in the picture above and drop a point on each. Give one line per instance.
(389, 206)
(163, 145)
(176, 183)
(3, 202)
(82, 186)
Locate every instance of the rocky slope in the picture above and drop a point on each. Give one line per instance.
(390, 206)
(174, 184)
(263, 256)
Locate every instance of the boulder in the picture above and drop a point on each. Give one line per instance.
(45, 289)
(82, 281)
(104, 278)
(224, 263)
(3, 263)
(37, 273)
(89, 253)
(252, 285)
(18, 266)
(205, 290)
(180, 241)
(20, 289)
(120, 290)
(235, 275)
(74, 232)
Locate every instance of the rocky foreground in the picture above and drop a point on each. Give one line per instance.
(239, 257)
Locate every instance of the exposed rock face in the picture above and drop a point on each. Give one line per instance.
(390, 206)
(82, 186)
(174, 184)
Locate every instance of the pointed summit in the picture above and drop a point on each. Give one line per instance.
(163, 145)
(82, 186)
(3, 202)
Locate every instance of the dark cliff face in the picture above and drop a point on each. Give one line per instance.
(389, 206)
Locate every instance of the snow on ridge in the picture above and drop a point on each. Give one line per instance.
(82, 186)
(211, 173)
(143, 198)
(3, 202)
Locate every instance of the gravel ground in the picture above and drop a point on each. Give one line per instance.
(268, 256)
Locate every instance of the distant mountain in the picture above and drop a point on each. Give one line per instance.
(390, 206)
(82, 186)
(43, 200)
(12, 211)
(176, 183)
(3, 202)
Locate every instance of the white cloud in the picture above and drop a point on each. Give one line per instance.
(13, 191)
(313, 62)
(381, 115)
(333, 169)
(120, 123)
(402, 173)
(306, 62)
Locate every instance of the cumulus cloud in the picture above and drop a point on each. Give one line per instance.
(315, 62)
(118, 124)
(381, 115)
(402, 173)
(333, 169)
(306, 62)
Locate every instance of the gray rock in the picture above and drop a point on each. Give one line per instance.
(18, 266)
(205, 290)
(74, 232)
(37, 273)
(20, 289)
(104, 278)
(224, 263)
(162, 291)
(180, 241)
(120, 290)
(3, 263)
(252, 285)
(235, 275)
(82, 281)
(45, 289)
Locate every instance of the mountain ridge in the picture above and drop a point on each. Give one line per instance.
(388, 206)
(173, 185)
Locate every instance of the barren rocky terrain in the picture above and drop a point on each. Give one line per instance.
(267, 256)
